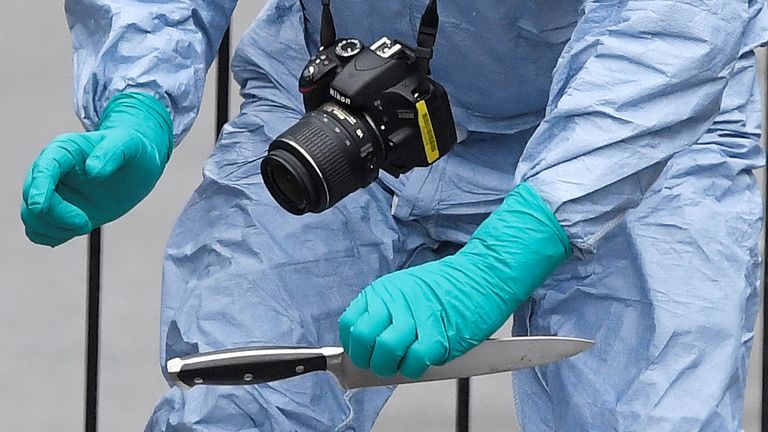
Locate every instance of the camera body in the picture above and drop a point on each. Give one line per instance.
(364, 113)
(381, 82)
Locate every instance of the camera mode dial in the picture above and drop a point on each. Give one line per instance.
(348, 48)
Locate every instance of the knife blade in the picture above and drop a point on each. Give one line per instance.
(245, 366)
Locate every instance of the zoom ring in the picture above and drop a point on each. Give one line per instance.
(329, 158)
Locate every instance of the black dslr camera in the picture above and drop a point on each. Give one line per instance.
(368, 108)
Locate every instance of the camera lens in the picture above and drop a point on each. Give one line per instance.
(326, 156)
(288, 181)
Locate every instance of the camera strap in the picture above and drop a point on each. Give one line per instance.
(327, 28)
(425, 42)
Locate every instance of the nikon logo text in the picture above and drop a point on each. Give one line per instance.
(340, 97)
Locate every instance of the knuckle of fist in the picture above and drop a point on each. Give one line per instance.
(363, 335)
(390, 346)
(65, 137)
(346, 322)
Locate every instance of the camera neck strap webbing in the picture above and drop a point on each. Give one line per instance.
(425, 42)
(327, 28)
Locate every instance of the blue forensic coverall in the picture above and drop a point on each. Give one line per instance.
(637, 121)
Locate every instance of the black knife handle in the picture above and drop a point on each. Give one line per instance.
(221, 369)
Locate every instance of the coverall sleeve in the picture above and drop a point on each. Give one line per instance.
(639, 81)
(163, 48)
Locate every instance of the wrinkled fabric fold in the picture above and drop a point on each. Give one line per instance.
(160, 48)
(638, 82)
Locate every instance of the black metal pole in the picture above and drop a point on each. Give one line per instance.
(93, 307)
(222, 83)
(462, 405)
(764, 402)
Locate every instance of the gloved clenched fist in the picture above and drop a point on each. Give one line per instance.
(430, 314)
(81, 181)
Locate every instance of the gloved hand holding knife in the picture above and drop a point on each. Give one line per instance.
(433, 313)
(425, 316)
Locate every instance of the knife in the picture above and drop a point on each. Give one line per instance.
(245, 366)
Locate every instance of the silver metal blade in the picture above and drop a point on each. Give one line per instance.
(491, 356)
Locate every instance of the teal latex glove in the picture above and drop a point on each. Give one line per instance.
(430, 314)
(81, 181)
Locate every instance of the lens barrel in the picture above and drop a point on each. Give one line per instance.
(320, 160)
